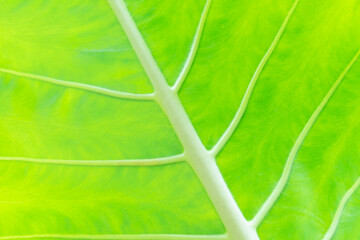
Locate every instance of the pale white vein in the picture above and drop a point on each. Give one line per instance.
(244, 102)
(265, 208)
(197, 156)
(81, 86)
(335, 221)
(194, 48)
(125, 162)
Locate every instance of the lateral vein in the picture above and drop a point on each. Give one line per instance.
(120, 237)
(244, 102)
(194, 48)
(82, 86)
(265, 208)
(335, 221)
(125, 162)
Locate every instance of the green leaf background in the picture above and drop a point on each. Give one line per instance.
(83, 42)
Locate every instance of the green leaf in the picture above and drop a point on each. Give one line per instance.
(133, 119)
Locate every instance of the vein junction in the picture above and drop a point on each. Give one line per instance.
(196, 154)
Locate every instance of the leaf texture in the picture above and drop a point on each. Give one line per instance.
(179, 119)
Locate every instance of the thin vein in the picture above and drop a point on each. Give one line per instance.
(244, 102)
(335, 221)
(82, 86)
(120, 237)
(125, 162)
(194, 48)
(286, 172)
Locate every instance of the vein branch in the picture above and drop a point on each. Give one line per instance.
(244, 102)
(125, 162)
(335, 221)
(81, 86)
(194, 48)
(265, 208)
(119, 237)
(196, 154)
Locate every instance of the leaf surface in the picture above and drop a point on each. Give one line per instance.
(89, 150)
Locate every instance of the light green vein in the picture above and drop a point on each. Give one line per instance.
(244, 102)
(335, 221)
(82, 86)
(121, 237)
(125, 162)
(265, 208)
(194, 48)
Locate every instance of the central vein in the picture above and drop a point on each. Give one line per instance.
(196, 154)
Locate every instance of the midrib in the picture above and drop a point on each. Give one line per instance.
(206, 169)
(196, 154)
